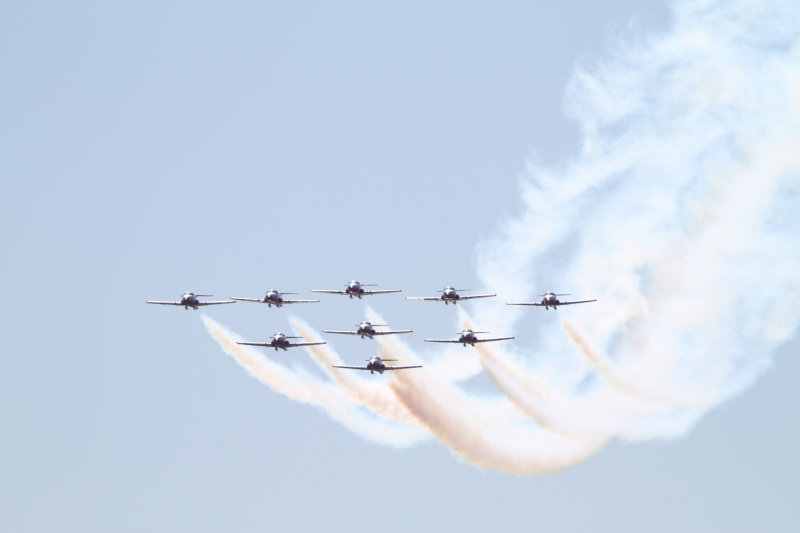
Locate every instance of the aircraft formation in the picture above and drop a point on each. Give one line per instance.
(366, 329)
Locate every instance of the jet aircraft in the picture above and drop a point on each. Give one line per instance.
(354, 288)
(468, 337)
(550, 299)
(274, 297)
(279, 340)
(367, 329)
(449, 294)
(376, 364)
(190, 299)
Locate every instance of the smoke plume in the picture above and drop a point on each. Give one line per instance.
(678, 214)
(304, 388)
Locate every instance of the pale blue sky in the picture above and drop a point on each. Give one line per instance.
(150, 149)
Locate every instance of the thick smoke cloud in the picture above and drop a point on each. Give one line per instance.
(679, 214)
(304, 388)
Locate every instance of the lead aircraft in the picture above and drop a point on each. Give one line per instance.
(367, 329)
(468, 337)
(274, 297)
(550, 299)
(376, 364)
(449, 294)
(190, 299)
(279, 340)
(355, 288)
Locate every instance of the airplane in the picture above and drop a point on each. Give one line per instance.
(550, 299)
(449, 294)
(367, 329)
(354, 288)
(279, 340)
(190, 299)
(468, 337)
(274, 297)
(376, 364)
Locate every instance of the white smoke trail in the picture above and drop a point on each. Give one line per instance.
(628, 386)
(373, 394)
(306, 389)
(534, 399)
(594, 417)
(489, 434)
(680, 216)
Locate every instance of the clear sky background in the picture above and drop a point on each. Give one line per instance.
(149, 149)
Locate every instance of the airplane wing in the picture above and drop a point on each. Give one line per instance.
(385, 291)
(472, 296)
(387, 368)
(577, 302)
(328, 292)
(425, 298)
(540, 304)
(299, 301)
(256, 300)
(216, 303)
(497, 339)
(267, 344)
(292, 345)
(393, 332)
(341, 332)
(451, 341)
(162, 303)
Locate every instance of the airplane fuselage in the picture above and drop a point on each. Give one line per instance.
(449, 294)
(365, 329)
(376, 367)
(550, 300)
(189, 300)
(273, 297)
(467, 337)
(279, 340)
(375, 364)
(354, 289)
